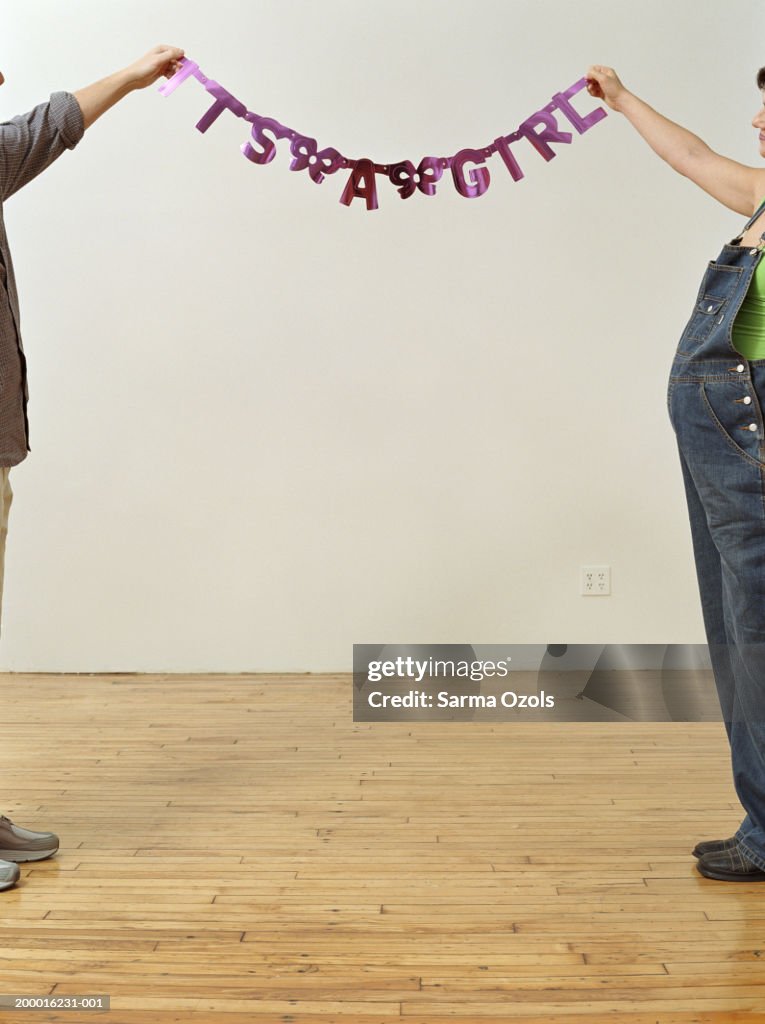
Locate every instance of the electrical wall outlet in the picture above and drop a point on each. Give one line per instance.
(595, 580)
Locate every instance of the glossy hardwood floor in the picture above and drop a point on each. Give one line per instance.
(236, 850)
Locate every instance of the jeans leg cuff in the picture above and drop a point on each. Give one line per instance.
(757, 858)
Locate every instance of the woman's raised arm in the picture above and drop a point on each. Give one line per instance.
(735, 185)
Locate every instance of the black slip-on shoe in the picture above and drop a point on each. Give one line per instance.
(714, 846)
(731, 865)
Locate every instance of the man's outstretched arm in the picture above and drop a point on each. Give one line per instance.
(96, 99)
(31, 142)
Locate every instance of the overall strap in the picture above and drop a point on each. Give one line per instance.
(754, 217)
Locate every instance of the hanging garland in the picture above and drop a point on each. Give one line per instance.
(541, 129)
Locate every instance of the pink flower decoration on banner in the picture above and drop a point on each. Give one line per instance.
(408, 179)
(327, 161)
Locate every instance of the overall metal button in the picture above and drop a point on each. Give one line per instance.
(752, 426)
(752, 252)
(710, 308)
(747, 400)
(740, 368)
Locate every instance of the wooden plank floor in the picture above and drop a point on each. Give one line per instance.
(235, 849)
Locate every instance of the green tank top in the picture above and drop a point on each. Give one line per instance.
(749, 325)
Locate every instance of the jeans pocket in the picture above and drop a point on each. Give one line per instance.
(719, 283)
(706, 314)
(739, 423)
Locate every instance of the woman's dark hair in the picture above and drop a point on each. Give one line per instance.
(761, 78)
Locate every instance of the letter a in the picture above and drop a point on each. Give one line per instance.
(361, 185)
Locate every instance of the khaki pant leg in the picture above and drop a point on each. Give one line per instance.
(6, 497)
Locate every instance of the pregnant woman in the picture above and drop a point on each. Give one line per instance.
(716, 398)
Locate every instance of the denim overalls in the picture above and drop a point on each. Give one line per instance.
(716, 400)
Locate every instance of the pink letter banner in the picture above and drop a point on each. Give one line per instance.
(470, 175)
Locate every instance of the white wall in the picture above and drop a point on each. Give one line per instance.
(265, 426)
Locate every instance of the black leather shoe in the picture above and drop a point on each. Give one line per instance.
(714, 846)
(731, 865)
